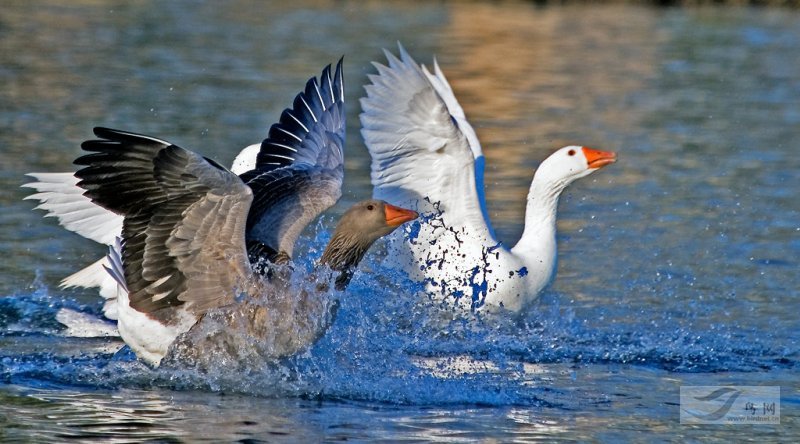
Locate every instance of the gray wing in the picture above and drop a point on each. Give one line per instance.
(300, 167)
(284, 202)
(184, 220)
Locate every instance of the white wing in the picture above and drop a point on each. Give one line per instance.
(60, 196)
(421, 144)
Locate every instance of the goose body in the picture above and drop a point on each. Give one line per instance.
(194, 233)
(425, 155)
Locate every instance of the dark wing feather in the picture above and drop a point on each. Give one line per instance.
(300, 167)
(183, 232)
(313, 130)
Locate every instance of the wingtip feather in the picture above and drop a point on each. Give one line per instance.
(339, 78)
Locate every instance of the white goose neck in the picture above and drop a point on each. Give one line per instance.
(538, 239)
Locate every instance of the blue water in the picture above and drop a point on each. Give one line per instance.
(677, 265)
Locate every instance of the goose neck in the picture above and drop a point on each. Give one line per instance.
(343, 254)
(540, 219)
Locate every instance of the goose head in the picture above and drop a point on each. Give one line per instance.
(571, 163)
(360, 226)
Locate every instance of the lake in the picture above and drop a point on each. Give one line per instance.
(678, 265)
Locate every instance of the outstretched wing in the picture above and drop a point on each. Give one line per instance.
(184, 220)
(60, 196)
(423, 150)
(300, 166)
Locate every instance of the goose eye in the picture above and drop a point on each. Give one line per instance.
(571, 152)
(370, 207)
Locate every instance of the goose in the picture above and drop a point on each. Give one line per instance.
(293, 175)
(426, 156)
(60, 196)
(183, 250)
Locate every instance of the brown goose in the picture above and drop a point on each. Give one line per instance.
(276, 319)
(183, 249)
(304, 147)
(188, 222)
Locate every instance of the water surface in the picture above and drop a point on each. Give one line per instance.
(678, 265)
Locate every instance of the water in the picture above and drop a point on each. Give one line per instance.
(678, 265)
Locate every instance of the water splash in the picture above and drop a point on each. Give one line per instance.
(391, 343)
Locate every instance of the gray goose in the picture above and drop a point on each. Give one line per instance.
(307, 133)
(191, 227)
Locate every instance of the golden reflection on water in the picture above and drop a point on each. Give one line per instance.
(529, 86)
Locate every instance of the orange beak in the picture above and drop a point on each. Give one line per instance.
(597, 158)
(396, 216)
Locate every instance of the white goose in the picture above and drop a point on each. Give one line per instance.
(425, 155)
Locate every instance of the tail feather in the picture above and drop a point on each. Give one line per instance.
(114, 267)
(89, 277)
(105, 274)
(84, 325)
